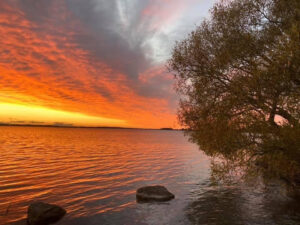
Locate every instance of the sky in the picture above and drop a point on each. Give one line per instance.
(92, 62)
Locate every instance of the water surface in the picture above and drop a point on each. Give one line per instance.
(94, 173)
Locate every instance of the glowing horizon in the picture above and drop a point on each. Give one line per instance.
(22, 114)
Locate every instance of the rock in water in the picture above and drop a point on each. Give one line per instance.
(40, 213)
(153, 193)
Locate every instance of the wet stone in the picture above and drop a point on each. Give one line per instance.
(155, 193)
(40, 213)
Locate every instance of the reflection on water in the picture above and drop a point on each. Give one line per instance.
(241, 205)
(94, 174)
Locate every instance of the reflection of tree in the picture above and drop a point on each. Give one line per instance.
(217, 207)
(243, 205)
(239, 79)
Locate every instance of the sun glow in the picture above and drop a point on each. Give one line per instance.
(23, 114)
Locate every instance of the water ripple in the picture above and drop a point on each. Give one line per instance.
(94, 174)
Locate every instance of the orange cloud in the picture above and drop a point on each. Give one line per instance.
(43, 66)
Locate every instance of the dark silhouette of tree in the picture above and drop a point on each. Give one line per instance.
(238, 76)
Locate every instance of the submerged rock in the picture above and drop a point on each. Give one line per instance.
(40, 213)
(153, 193)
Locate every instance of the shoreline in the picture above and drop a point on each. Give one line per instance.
(98, 127)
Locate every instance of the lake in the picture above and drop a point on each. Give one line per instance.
(94, 174)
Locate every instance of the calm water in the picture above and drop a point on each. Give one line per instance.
(94, 173)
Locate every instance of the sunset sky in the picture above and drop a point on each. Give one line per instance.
(92, 62)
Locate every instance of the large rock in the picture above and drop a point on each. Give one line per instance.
(40, 213)
(153, 193)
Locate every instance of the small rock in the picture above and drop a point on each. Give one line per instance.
(153, 193)
(40, 213)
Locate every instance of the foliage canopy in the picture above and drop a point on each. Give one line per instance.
(238, 75)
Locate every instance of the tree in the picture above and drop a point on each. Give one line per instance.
(238, 76)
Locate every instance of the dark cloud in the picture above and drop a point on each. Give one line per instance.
(113, 32)
(110, 39)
